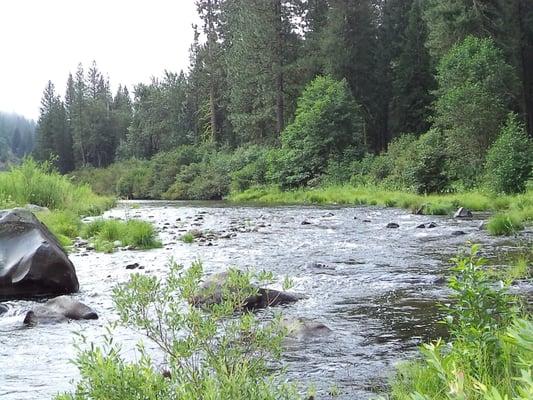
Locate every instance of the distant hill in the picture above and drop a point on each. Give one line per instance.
(17, 136)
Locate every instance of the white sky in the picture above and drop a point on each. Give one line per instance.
(130, 40)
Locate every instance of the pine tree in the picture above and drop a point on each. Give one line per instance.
(54, 142)
(413, 79)
(349, 49)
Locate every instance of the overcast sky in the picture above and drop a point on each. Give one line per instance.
(130, 40)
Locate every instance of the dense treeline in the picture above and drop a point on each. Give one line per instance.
(16, 137)
(318, 88)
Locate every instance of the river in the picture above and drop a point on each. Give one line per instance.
(375, 288)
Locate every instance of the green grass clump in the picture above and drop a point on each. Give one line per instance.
(187, 237)
(504, 224)
(64, 225)
(104, 233)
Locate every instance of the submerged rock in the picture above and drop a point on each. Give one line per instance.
(392, 225)
(211, 292)
(32, 263)
(303, 329)
(59, 309)
(458, 233)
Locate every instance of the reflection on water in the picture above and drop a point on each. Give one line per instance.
(377, 289)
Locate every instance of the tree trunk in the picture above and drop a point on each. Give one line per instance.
(526, 53)
(280, 106)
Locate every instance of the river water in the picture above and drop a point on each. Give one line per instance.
(375, 288)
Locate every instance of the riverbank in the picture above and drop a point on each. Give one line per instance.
(55, 200)
(512, 212)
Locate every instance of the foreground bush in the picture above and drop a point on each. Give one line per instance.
(107, 234)
(490, 352)
(211, 353)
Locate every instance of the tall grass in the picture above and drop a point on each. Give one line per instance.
(38, 184)
(134, 233)
(33, 183)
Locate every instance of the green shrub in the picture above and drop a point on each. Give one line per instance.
(327, 122)
(472, 100)
(211, 353)
(509, 160)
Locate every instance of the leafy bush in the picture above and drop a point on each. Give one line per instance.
(509, 160)
(212, 353)
(327, 122)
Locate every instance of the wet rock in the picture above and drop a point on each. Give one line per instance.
(211, 292)
(133, 266)
(458, 233)
(429, 225)
(32, 263)
(392, 225)
(305, 222)
(441, 280)
(328, 215)
(3, 309)
(59, 309)
(366, 221)
(463, 213)
(117, 243)
(482, 226)
(320, 266)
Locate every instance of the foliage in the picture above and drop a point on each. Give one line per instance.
(505, 224)
(33, 183)
(327, 123)
(509, 160)
(474, 86)
(489, 355)
(211, 353)
(134, 233)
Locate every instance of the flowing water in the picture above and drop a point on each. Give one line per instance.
(376, 288)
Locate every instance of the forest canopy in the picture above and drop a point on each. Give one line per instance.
(415, 93)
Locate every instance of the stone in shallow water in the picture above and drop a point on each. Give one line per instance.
(59, 309)
(32, 263)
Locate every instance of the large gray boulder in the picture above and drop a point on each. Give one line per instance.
(32, 263)
(212, 292)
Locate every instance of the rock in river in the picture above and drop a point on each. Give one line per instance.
(32, 263)
(211, 292)
(59, 309)
(463, 213)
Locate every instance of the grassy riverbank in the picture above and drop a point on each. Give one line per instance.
(67, 203)
(512, 212)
